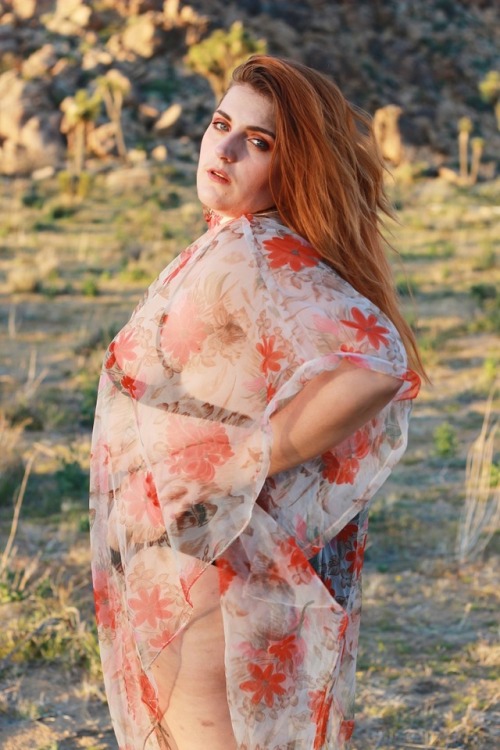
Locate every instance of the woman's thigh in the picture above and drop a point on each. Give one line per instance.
(190, 675)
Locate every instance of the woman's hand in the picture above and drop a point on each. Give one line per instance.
(329, 408)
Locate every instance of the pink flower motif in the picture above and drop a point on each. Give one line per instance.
(105, 602)
(149, 606)
(139, 495)
(326, 325)
(183, 331)
(197, 448)
(122, 349)
(183, 260)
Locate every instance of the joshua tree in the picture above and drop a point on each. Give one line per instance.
(114, 87)
(489, 88)
(477, 145)
(464, 131)
(217, 56)
(80, 112)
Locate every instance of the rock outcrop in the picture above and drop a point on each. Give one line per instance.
(424, 59)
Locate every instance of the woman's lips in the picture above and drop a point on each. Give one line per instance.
(218, 175)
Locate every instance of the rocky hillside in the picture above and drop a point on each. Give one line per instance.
(427, 58)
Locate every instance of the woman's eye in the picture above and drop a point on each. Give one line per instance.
(260, 144)
(220, 125)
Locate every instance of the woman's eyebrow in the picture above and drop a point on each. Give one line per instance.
(259, 128)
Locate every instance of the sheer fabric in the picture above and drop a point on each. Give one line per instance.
(229, 332)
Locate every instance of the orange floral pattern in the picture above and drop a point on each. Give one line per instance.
(230, 330)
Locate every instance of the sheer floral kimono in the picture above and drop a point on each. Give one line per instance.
(231, 330)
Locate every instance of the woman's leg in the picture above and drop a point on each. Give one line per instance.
(190, 675)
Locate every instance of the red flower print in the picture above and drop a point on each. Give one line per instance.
(265, 684)
(339, 472)
(183, 331)
(348, 348)
(349, 533)
(183, 259)
(413, 378)
(105, 607)
(270, 392)
(110, 356)
(367, 327)
(356, 557)
(148, 696)
(134, 387)
(360, 444)
(196, 449)
(122, 347)
(348, 471)
(226, 574)
(290, 251)
(149, 607)
(288, 649)
(346, 730)
(321, 707)
(343, 627)
(342, 467)
(270, 355)
(297, 561)
(140, 497)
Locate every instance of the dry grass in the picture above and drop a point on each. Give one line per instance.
(480, 518)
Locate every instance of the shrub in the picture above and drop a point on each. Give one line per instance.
(445, 440)
(218, 55)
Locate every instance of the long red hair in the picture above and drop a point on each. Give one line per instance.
(327, 179)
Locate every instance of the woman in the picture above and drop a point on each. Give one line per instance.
(247, 413)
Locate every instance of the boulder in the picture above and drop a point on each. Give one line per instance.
(129, 178)
(37, 146)
(74, 17)
(159, 153)
(144, 35)
(29, 126)
(168, 119)
(387, 133)
(26, 9)
(40, 62)
(96, 58)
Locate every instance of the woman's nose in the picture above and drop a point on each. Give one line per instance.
(227, 149)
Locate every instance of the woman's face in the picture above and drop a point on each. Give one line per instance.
(235, 156)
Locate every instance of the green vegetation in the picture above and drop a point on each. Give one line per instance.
(219, 54)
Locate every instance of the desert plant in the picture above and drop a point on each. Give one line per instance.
(11, 466)
(464, 131)
(480, 517)
(477, 146)
(4, 561)
(445, 440)
(79, 113)
(114, 87)
(489, 89)
(217, 56)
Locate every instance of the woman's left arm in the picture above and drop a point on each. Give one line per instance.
(330, 408)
